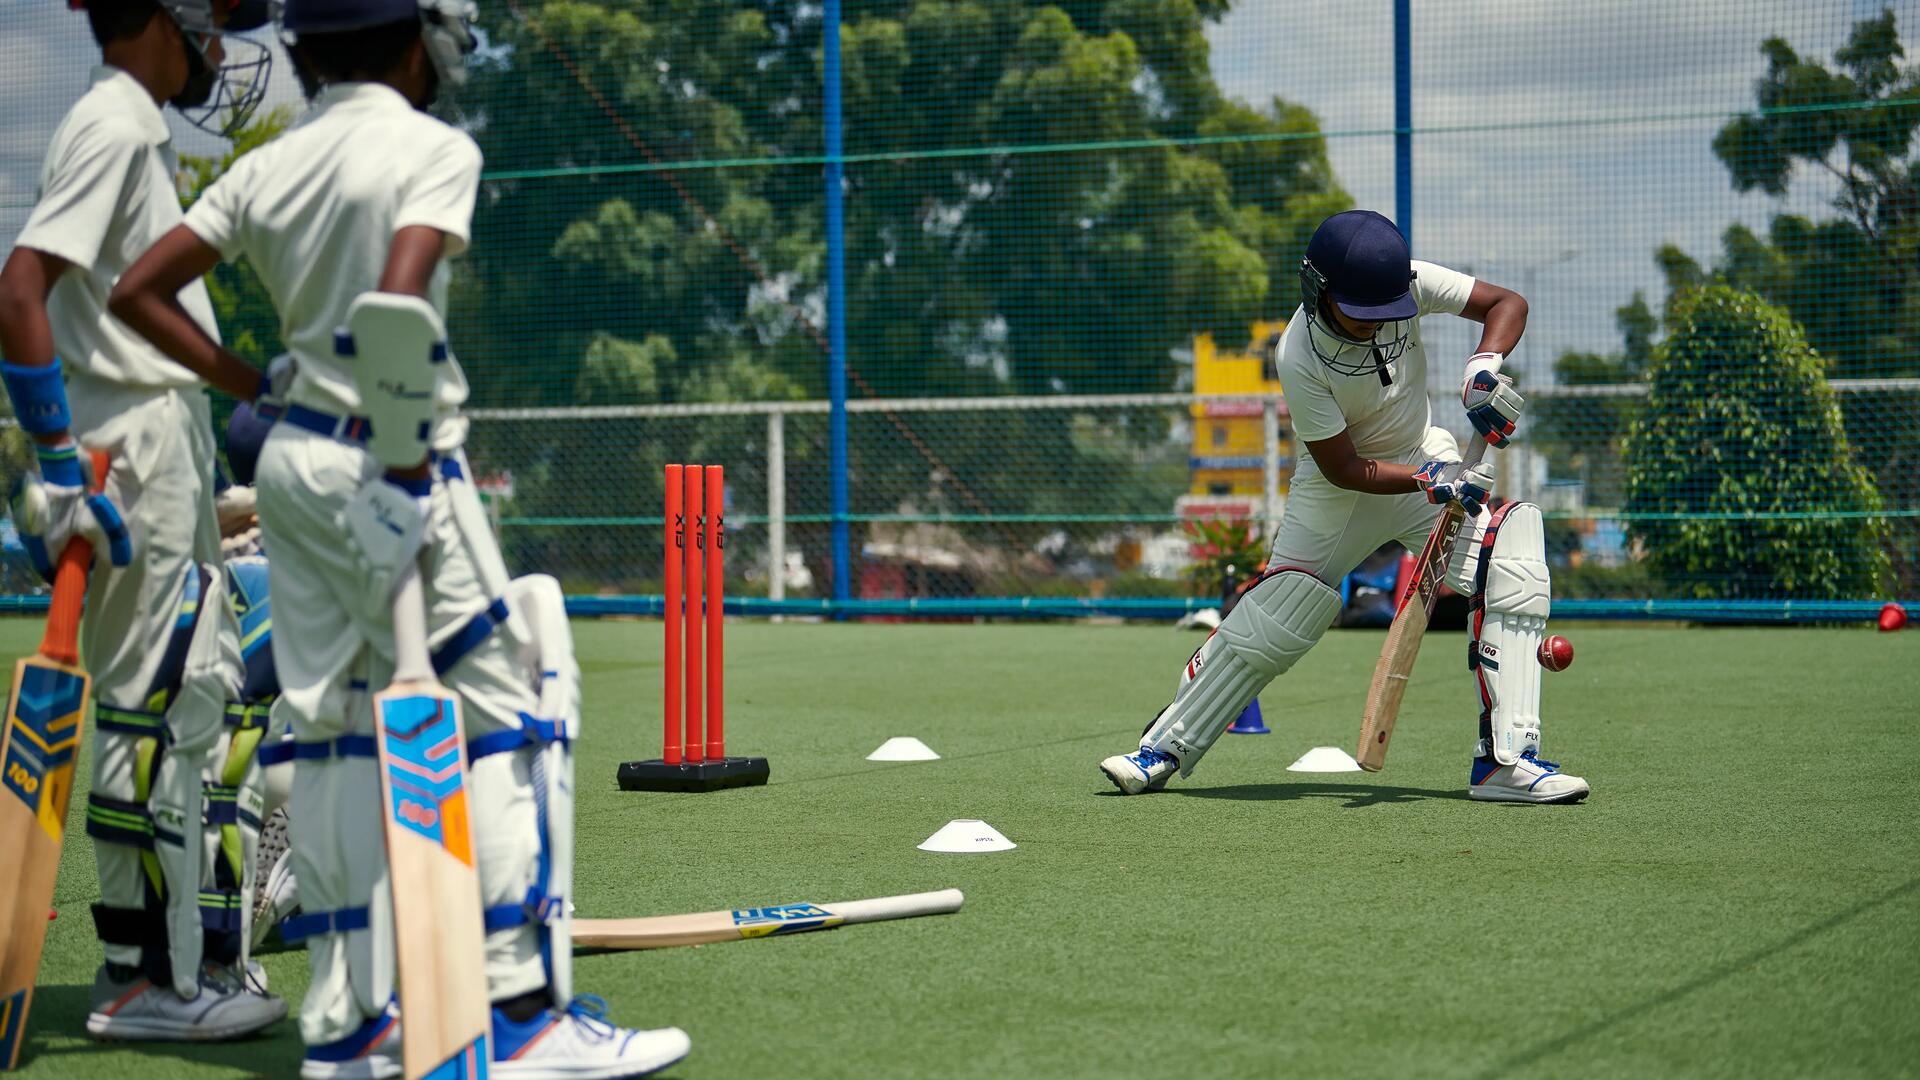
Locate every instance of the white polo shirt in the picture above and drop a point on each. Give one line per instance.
(1384, 421)
(107, 195)
(315, 211)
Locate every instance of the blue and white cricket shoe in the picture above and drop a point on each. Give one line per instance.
(578, 1043)
(1145, 770)
(1529, 780)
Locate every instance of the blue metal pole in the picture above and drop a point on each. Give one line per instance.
(1403, 117)
(836, 311)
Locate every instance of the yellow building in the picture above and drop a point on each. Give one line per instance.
(1228, 454)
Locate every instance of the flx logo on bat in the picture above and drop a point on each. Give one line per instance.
(783, 919)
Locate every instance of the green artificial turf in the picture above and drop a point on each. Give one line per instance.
(1740, 897)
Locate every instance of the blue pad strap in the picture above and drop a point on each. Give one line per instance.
(345, 746)
(39, 397)
(532, 731)
(469, 637)
(299, 928)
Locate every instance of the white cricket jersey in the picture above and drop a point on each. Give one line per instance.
(107, 195)
(315, 211)
(1384, 421)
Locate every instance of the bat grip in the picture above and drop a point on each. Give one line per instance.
(411, 663)
(61, 644)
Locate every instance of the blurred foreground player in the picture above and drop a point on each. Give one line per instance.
(1355, 372)
(167, 812)
(360, 207)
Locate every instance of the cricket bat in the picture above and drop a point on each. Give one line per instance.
(1410, 620)
(667, 931)
(439, 936)
(38, 751)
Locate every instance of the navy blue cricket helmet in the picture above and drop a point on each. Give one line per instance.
(1359, 262)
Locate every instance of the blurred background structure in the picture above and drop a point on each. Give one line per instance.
(1063, 234)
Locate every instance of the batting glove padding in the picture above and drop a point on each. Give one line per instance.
(1448, 482)
(54, 506)
(1492, 403)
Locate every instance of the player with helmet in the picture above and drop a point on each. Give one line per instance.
(1355, 372)
(162, 811)
(351, 219)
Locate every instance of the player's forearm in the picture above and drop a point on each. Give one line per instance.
(26, 335)
(1506, 321)
(161, 320)
(1372, 477)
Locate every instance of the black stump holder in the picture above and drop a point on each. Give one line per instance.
(727, 772)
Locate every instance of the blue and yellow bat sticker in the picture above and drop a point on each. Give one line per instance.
(783, 919)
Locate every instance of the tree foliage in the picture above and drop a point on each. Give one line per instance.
(1852, 281)
(975, 263)
(1740, 421)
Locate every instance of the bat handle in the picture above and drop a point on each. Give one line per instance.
(411, 663)
(61, 644)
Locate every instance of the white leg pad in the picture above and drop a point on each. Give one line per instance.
(1510, 608)
(1275, 623)
(538, 599)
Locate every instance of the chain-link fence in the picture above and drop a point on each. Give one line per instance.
(1068, 230)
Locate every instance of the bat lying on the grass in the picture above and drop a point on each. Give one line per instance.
(667, 931)
(38, 751)
(1402, 646)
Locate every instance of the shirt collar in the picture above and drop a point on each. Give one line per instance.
(362, 95)
(133, 97)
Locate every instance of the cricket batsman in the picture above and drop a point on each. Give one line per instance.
(175, 794)
(1355, 372)
(351, 219)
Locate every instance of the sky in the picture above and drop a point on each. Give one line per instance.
(1575, 211)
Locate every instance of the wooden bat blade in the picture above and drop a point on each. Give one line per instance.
(439, 935)
(1402, 647)
(42, 744)
(1389, 684)
(668, 931)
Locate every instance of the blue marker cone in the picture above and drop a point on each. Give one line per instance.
(1250, 722)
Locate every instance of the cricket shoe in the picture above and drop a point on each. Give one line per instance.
(578, 1043)
(138, 1008)
(370, 1053)
(1142, 771)
(1529, 780)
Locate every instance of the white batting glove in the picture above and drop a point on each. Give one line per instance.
(1450, 482)
(53, 506)
(1492, 403)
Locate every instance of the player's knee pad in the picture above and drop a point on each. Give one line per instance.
(1277, 621)
(1510, 603)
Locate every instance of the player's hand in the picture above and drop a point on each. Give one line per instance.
(1492, 403)
(54, 506)
(1450, 482)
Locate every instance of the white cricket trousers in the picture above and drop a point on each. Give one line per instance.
(333, 647)
(1327, 530)
(160, 475)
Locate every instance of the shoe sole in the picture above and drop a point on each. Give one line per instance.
(1520, 798)
(147, 1031)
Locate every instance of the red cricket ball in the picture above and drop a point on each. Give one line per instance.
(1556, 653)
(1892, 617)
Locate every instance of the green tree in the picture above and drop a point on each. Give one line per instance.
(1040, 199)
(1852, 281)
(1740, 421)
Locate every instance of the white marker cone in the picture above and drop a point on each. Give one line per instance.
(1325, 759)
(904, 748)
(967, 835)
